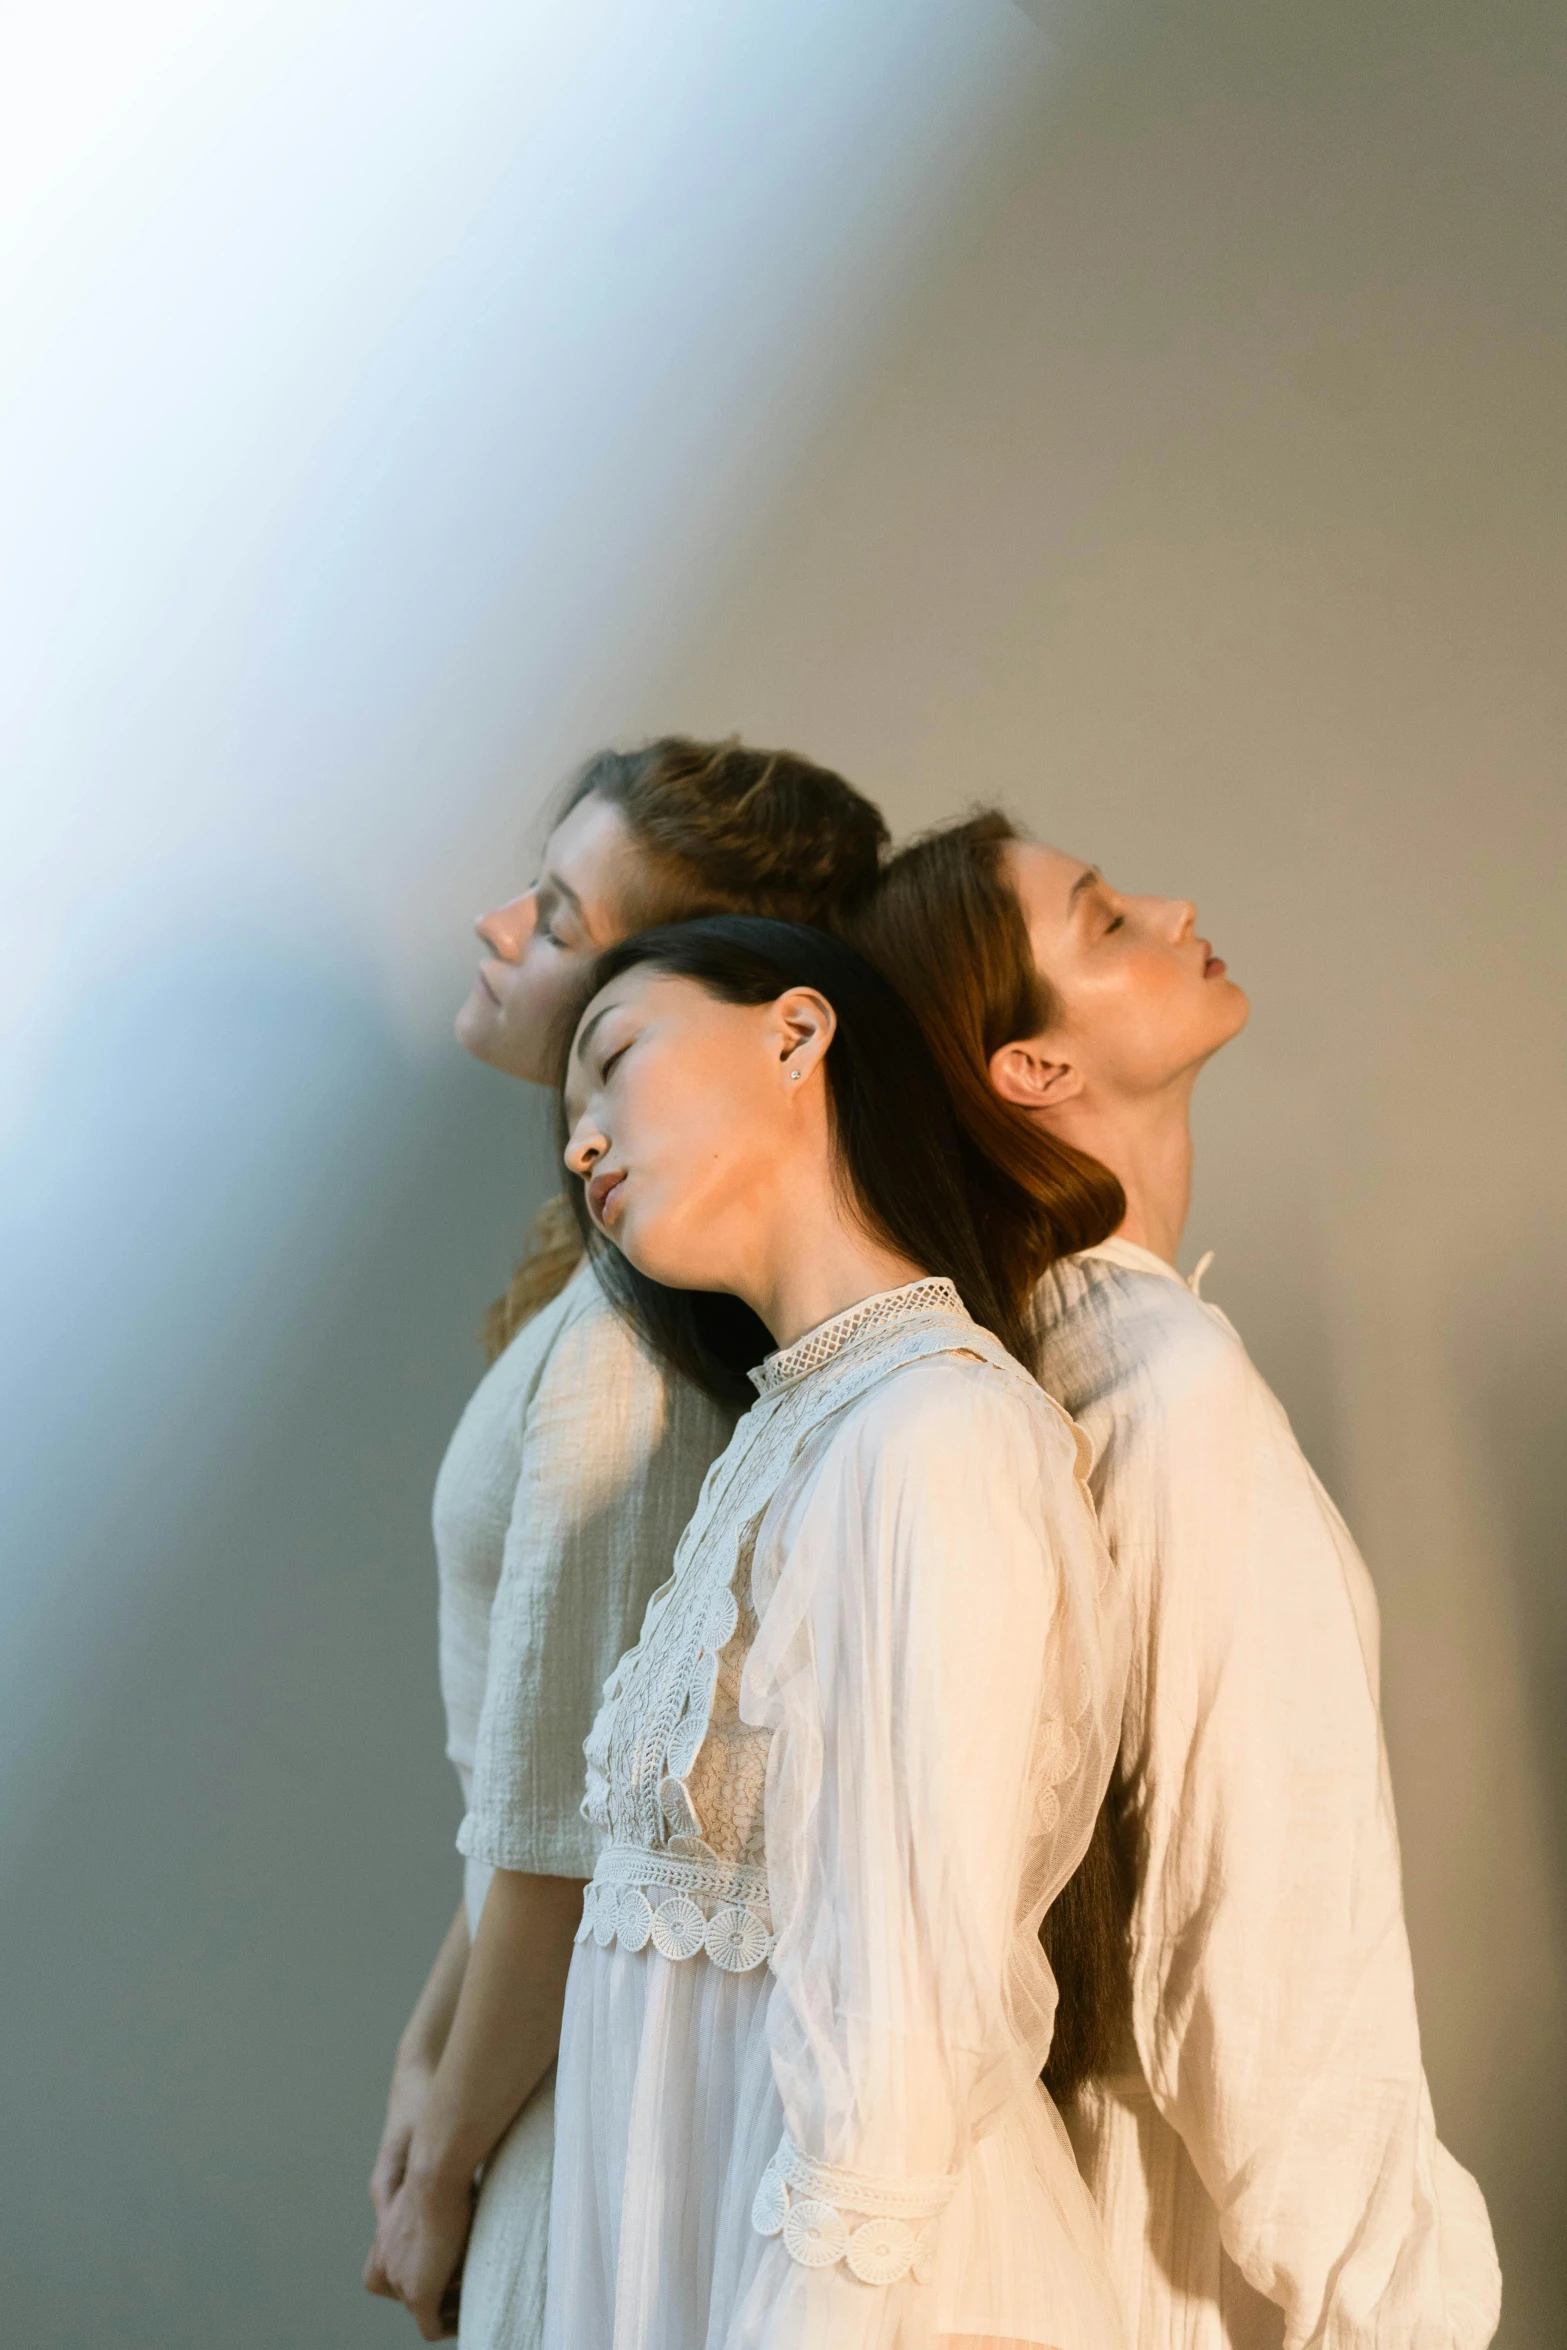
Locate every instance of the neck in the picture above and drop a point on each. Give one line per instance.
(1147, 1146)
(821, 1266)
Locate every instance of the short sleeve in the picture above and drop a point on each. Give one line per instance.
(614, 1450)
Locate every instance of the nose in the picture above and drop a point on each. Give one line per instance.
(506, 930)
(584, 1148)
(1180, 918)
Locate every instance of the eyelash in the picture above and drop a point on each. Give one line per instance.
(613, 1058)
(1114, 924)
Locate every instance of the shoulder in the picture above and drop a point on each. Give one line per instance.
(1110, 1332)
(597, 1369)
(946, 1420)
(587, 1332)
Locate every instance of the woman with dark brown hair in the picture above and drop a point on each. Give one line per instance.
(557, 1510)
(862, 1739)
(1260, 2141)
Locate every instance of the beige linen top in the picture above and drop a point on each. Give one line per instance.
(1267, 2167)
(557, 1510)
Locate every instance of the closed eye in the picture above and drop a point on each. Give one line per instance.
(618, 1055)
(549, 906)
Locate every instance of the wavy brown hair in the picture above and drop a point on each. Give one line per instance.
(723, 828)
(946, 927)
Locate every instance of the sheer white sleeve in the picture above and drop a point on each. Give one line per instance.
(941, 1668)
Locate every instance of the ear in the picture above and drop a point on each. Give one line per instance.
(804, 1024)
(1024, 1073)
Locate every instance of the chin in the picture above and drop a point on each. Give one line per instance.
(472, 1024)
(480, 1032)
(1237, 1009)
(662, 1256)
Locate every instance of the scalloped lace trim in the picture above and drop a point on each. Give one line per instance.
(710, 1908)
(806, 2203)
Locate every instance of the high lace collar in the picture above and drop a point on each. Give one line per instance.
(829, 1338)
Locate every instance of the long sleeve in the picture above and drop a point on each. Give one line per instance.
(1273, 1996)
(941, 1673)
(613, 1453)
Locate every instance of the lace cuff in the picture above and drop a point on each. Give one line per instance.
(815, 2207)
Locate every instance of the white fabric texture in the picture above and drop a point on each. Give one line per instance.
(557, 1511)
(475, 1498)
(611, 1458)
(502, 2304)
(828, 2148)
(1268, 2167)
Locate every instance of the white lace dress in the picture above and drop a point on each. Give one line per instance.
(857, 1749)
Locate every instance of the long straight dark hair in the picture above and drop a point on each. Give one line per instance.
(901, 1156)
(945, 925)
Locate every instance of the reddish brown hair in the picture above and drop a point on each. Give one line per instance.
(946, 927)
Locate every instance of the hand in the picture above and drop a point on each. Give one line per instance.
(411, 2078)
(419, 2247)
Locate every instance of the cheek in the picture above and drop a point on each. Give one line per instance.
(1142, 1016)
(679, 1136)
(543, 986)
(676, 1146)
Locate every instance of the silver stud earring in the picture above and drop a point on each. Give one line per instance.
(795, 1074)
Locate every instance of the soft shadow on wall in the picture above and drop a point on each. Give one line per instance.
(236, 1839)
(387, 387)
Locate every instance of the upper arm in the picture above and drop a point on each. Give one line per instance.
(614, 1452)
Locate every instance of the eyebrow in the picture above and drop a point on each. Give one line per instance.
(580, 1047)
(1090, 873)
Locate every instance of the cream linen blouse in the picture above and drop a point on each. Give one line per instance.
(577, 1464)
(557, 1510)
(1268, 2167)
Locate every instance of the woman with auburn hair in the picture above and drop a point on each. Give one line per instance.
(862, 1739)
(557, 1509)
(1261, 2144)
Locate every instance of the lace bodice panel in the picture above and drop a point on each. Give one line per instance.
(676, 1779)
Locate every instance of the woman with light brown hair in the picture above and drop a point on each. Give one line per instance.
(1260, 2140)
(558, 1506)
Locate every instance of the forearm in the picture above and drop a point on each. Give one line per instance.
(505, 2028)
(425, 2034)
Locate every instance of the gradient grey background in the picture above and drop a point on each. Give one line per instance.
(1151, 415)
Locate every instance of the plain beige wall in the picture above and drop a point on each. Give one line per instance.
(1186, 471)
(1210, 512)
